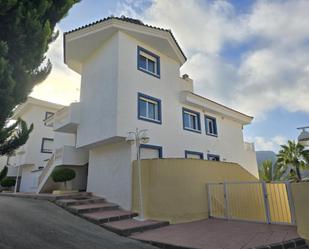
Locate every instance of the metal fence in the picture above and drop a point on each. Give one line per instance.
(252, 201)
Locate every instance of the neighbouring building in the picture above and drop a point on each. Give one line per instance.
(32, 157)
(130, 78)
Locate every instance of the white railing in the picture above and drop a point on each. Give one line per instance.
(46, 168)
(252, 201)
(61, 115)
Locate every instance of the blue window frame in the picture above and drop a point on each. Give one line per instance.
(191, 120)
(155, 147)
(211, 126)
(213, 157)
(194, 154)
(148, 62)
(149, 108)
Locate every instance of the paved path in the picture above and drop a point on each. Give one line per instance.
(218, 234)
(37, 224)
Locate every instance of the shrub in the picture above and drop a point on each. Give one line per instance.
(63, 175)
(3, 172)
(8, 182)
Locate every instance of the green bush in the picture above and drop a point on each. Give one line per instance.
(8, 182)
(3, 172)
(63, 175)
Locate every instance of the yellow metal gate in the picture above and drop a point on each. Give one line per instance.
(252, 201)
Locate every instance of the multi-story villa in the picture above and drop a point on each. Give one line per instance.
(130, 78)
(31, 158)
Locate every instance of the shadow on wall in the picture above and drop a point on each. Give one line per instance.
(175, 189)
(78, 183)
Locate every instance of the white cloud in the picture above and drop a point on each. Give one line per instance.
(272, 73)
(272, 143)
(62, 85)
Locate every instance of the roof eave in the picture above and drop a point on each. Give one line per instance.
(117, 21)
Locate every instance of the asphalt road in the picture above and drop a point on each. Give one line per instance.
(37, 224)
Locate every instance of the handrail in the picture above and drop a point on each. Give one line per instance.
(46, 168)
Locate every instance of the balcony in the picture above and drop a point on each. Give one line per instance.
(69, 155)
(67, 119)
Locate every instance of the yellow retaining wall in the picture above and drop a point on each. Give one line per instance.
(174, 189)
(300, 192)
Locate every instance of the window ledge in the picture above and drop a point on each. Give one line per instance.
(150, 120)
(149, 72)
(188, 129)
(211, 134)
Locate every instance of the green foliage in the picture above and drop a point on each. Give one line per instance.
(294, 155)
(8, 182)
(3, 173)
(27, 28)
(271, 172)
(14, 136)
(63, 175)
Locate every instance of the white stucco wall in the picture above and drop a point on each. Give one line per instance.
(170, 134)
(109, 173)
(32, 148)
(99, 95)
(29, 179)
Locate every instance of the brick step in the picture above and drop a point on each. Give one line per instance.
(108, 216)
(130, 226)
(79, 201)
(73, 195)
(86, 208)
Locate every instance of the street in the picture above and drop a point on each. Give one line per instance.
(38, 224)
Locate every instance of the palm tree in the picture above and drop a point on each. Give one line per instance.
(294, 155)
(271, 172)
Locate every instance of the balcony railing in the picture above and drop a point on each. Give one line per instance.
(67, 119)
(69, 155)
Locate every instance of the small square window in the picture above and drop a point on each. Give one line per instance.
(148, 62)
(212, 157)
(47, 145)
(211, 126)
(191, 120)
(193, 154)
(149, 108)
(48, 115)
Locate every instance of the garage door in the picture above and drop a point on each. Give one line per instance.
(150, 151)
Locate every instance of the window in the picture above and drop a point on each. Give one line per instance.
(148, 62)
(191, 120)
(211, 126)
(149, 108)
(212, 157)
(48, 114)
(194, 154)
(47, 145)
(148, 151)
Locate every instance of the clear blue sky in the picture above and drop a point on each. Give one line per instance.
(252, 51)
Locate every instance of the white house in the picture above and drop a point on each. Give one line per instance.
(130, 78)
(32, 157)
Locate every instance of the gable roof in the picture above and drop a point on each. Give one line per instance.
(80, 43)
(129, 20)
(22, 108)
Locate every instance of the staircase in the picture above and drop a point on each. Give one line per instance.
(108, 215)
